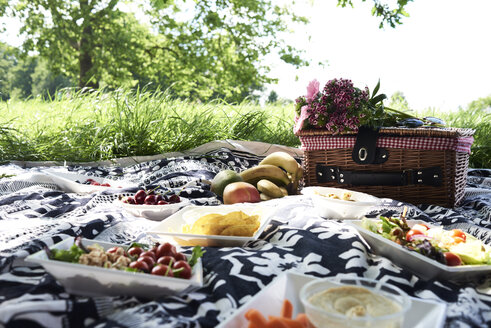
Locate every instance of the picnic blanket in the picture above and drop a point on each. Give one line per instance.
(34, 213)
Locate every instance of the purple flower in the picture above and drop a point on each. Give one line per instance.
(337, 108)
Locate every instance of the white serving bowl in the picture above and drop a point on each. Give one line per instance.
(339, 209)
(320, 317)
(155, 212)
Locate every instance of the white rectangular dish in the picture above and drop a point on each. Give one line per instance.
(422, 314)
(88, 280)
(173, 225)
(73, 182)
(421, 265)
(330, 204)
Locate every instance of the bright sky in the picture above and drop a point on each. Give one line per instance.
(440, 56)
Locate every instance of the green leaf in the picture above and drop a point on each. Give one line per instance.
(196, 254)
(375, 90)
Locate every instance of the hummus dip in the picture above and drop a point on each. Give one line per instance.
(354, 302)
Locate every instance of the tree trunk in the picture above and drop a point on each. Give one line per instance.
(86, 79)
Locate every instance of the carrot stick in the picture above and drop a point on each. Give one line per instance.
(256, 319)
(302, 318)
(287, 309)
(281, 322)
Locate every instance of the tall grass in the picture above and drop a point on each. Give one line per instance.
(96, 125)
(90, 126)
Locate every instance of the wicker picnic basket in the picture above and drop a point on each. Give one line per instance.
(414, 165)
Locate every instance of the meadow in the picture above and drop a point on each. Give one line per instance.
(98, 125)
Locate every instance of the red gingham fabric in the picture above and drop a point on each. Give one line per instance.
(462, 144)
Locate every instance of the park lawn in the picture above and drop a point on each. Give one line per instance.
(99, 125)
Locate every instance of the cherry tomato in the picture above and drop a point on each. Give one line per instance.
(166, 249)
(147, 259)
(458, 235)
(166, 260)
(186, 269)
(140, 265)
(135, 251)
(162, 270)
(149, 253)
(452, 259)
(113, 249)
(417, 229)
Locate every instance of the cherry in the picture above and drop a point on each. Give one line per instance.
(140, 196)
(149, 253)
(162, 202)
(129, 200)
(185, 273)
(140, 265)
(166, 260)
(135, 251)
(147, 259)
(162, 270)
(166, 249)
(150, 200)
(174, 199)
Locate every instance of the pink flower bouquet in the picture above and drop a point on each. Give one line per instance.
(338, 107)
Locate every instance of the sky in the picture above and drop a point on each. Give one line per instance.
(440, 57)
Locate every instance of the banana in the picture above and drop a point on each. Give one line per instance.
(268, 172)
(284, 191)
(269, 189)
(283, 160)
(264, 196)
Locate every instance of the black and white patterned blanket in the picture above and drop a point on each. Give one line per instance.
(35, 213)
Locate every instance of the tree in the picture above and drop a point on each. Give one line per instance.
(398, 101)
(201, 49)
(389, 15)
(273, 97)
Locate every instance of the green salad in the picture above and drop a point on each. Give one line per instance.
(451, 247)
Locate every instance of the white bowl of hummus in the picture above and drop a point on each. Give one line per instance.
(354, 302)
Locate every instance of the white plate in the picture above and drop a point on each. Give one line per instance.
(422, 314)
(154, 212)
(67, 182)
(172, 226)
(339, 209)
(421, 265)
(88, 280)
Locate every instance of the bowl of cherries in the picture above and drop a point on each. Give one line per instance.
(152, 204)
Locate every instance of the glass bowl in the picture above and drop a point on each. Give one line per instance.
(354, 302)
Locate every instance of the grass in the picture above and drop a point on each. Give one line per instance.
(92, 126)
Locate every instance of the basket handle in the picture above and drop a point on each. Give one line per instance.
(431, 176)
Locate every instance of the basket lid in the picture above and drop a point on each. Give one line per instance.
(400, 131)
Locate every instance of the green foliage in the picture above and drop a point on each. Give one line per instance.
(198, 50)
(476, 116)
(389, 15)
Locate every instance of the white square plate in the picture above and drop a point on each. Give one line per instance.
(154, 212)
(339, 209)
(172, 226)
(88, 280)
(422, 314)
(421, 265)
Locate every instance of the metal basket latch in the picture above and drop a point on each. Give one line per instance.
(365, 150)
